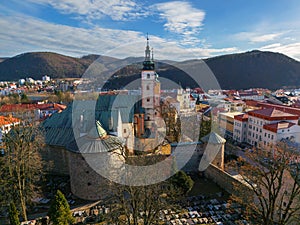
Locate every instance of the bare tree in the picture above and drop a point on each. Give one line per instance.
(134, 205)
(272, 177)
(21, 165)
(172, 121)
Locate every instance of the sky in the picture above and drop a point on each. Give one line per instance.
(177, 30)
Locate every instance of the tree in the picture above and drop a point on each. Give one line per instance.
(135, 205)
(59, 211)
(273, 182)
(24, 98)
(172, 121)
(21, 165)
(182, 182)
(13, 215)
(205, 126)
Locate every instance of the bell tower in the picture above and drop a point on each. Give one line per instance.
(150, 89)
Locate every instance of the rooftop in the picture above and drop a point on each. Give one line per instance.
(272, 113)
(274, 127)
(4, 120)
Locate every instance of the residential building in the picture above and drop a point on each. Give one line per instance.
(6, 123)
(265, 127)
(226, 123)
(240, 128)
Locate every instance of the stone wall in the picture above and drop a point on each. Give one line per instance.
(223, 179)
(86, 183)
(57, 160)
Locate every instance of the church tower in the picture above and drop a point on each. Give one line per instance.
(150, 89)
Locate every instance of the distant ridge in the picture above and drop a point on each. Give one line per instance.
(255, 69)
(234, 71)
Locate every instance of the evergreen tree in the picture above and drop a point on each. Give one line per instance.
(13, 215)
(59, 212)
(182, 181)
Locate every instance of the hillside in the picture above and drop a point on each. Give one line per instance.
(234, 71)
(255, 69)
(38, 64)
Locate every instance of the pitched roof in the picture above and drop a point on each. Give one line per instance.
(26, 107)
(16, 107)
(242, 117)
(272, 114)
(287, 109)
(213, 138)
(59, 127)
(4, 120)
(274, 127)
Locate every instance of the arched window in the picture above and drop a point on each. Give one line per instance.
(147, 87)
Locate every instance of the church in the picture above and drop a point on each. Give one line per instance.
(87, 129)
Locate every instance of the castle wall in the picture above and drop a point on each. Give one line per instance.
(85, 182)
(223, 179)
(57, 160)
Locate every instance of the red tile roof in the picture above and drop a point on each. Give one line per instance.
(16, 107)
(30, 107)
(242, 117)
(264, 105)
(274, 127)
(5, 120)
(273, 114)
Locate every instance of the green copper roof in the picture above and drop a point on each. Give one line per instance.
(59, 131)
(97, 131)
(90, 145)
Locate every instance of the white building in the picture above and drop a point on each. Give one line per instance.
(240, 128)
(6, 123)
(46, 78)
(265, 127)
(272, 133)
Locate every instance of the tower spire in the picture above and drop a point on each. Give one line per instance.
(148, 62)
(152, 58)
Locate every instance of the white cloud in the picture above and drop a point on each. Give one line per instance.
(181, 18)
(292, 49)
(96, 9)
(257, 37)
(27, 34)
(265, 38)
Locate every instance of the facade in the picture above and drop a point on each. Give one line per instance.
(31, 112)
(123, 120)
(150, 90)
(258, 118)
(265, 127)
(240, 128)
(226, 123)
(6, 123)
(272, 133)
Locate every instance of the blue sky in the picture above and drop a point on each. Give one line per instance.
(177, 29)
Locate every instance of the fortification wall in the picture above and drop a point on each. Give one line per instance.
(85, 182)
(57, 160)
(223, 179)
